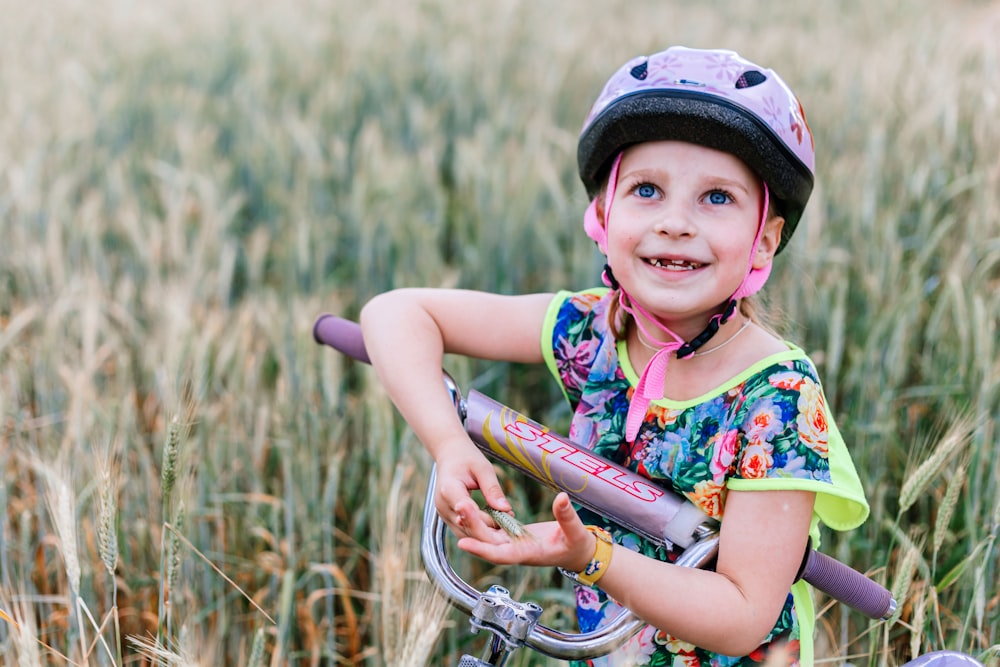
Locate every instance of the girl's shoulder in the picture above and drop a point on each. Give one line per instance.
(783, 372)
(787, 362)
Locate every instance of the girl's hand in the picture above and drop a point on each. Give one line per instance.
(461, 470)
(564, 542)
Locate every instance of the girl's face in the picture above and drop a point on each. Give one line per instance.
(682, 225)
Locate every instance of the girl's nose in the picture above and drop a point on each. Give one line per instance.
(674, 220)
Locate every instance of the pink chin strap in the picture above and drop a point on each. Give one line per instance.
(650, 387)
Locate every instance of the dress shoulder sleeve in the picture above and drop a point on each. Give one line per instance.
(788, 440)
(574, 329)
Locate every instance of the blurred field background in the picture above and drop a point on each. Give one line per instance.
(187, 479)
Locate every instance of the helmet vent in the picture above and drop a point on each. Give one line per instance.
(640, 71)
(750, 78)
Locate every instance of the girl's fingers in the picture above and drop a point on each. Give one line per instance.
(476, 524)
(579, 541)
(569, 520)
(486, 480)
(499, 548)
(446, 510)
(462, 514)
(565, 541)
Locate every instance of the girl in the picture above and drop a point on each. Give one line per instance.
(698, 165)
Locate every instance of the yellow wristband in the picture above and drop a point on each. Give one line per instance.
(598, 565)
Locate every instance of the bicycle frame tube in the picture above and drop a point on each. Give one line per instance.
(611, 490)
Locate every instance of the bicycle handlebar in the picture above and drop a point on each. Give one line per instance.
(825, 573)
(541, 638)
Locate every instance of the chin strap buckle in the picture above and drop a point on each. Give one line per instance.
(689, 348)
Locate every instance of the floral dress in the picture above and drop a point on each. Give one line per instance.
(768, 428)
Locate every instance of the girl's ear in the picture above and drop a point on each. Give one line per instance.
(594, 223)
(599, 210)
(770, 237)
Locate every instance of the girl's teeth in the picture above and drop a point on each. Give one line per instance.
(672, 264)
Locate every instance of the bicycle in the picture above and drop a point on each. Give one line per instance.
(609, 489)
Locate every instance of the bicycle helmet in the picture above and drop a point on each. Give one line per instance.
(714, 98)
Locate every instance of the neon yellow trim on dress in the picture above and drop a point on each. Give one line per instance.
(549, 326)
(792, 354)
(806, 615)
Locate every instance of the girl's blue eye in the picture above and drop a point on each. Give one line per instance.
(718, 197)
(646, 190)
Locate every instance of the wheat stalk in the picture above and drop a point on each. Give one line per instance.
(107, 517)
(25, 636)
(956, 437)
(946, 509)
(172, 513)
(23, 633)
(160, 654)
(413, 612)
(60, 501)
(107, 532)
(171, 455)
(917, 622)
(173, 542)
(257, 649)
(393, 563)
(910, 561)
(428, 613)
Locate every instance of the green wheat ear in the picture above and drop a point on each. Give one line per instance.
(957, 437)
(171, 451)
(948, 505)
(509, 524)
(174, 547)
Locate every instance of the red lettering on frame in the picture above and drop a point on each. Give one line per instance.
(584, 461)
(525, 431)
(644, 491)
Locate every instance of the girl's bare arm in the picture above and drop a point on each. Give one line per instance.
(406, 333)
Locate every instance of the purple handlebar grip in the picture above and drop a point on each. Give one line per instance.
(343, 335)
(847, 585)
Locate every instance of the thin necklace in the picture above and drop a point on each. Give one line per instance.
(700, 353)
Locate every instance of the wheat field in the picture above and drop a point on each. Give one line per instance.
(188, 479)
